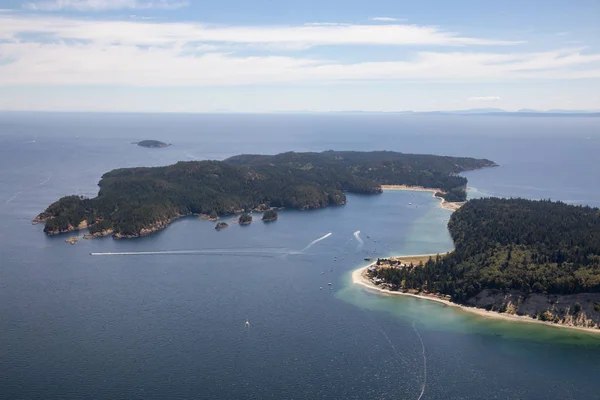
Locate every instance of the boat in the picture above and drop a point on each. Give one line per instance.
(247, 324)
(368, 258)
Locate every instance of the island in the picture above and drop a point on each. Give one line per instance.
(152, 144)
(134, 202)
(221, 225)
(245, 219)
(269, 216)
(534, 259)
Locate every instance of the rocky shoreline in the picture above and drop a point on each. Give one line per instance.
(159, 225)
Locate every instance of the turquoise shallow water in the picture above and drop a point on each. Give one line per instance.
(172, 325)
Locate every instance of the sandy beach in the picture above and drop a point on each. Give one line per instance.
(359, 277)
(447, 205)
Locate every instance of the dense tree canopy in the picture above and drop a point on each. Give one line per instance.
(245, 218)
(532, 246)
(132, 199)
(270, 215)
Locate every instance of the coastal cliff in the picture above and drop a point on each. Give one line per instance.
(579, 311)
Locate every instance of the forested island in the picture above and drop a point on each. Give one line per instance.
(245, 219)
(152, 144)
(270, 215)
(516, 256)
(134, 202)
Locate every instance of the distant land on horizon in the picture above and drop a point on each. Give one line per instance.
(524, 112)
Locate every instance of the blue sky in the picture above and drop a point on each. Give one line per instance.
(266, 55)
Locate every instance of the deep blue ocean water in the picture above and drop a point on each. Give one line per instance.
(76, 326)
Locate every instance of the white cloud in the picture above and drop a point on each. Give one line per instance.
(146, 32)
(130, 53)
(387, 19)
(130, 65)
(140, 17)
(484, 98)
(104, 5)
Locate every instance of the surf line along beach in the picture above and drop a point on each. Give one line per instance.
(447, 205)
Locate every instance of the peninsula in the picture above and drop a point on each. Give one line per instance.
(538, 260)
(134, 202)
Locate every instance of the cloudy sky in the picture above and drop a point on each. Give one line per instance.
(277, 55)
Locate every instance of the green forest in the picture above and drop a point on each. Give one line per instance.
(533, 246)
(132, 199)
(270, 215)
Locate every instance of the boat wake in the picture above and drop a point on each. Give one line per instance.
(12, 198)
(424, 362)
(359, 240)
(46, 181)
(262, 252)
(393, 347)
(268, 252)
(311, 244)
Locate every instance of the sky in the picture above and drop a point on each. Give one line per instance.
(311, 55)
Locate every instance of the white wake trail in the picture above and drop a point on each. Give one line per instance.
(189, 155)
(424, 362)
(393, 347)
(12, 198)
(46, 181)
(311, 244)
(359, 240)
(212, 252)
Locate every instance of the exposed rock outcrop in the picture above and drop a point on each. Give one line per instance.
(581, 310)
(221, 225)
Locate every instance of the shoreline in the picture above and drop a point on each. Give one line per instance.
(160, 225)
(446, 205)
(359, 278)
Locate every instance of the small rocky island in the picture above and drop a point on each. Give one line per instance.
(152, 144)
(135, 202)
(221, 225)
(245, 219)
(270, 215)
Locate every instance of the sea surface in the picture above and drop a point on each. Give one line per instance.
(172, 325)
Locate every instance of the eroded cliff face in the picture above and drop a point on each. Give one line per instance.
(581, 310)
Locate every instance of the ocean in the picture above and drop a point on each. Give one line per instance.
(169, 325)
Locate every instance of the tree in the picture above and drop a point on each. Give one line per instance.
(245, 219)
(270, 215)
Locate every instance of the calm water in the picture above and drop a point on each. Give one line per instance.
(172, 326)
